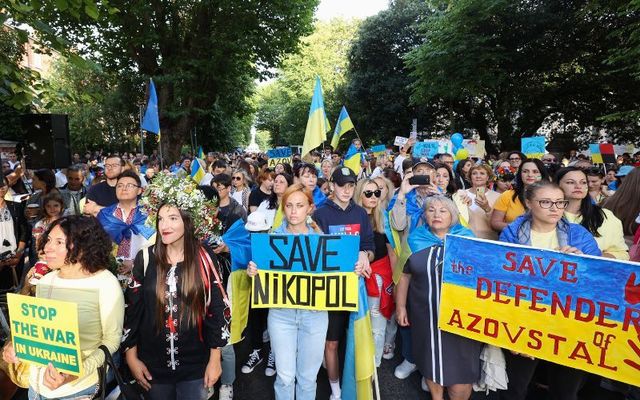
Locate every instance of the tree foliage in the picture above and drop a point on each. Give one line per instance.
(283, 104)
(512, 65)
(203, 55)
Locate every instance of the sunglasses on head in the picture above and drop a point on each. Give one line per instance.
(369, 193)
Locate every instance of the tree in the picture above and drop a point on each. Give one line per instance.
(378, 90)
(203, 55)
(283, 105)
(512, 64)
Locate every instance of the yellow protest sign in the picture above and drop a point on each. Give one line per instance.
(46, 331)
(334, 291)
(574, 310)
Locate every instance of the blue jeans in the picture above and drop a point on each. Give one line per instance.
(192, 390)
(83, 394)
(297, 342)
(378, 322)
(407, 348)
(228, 365)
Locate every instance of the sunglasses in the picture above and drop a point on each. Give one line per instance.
(237, 178)
(369, 193)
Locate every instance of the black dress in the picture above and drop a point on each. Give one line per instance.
(171, 355)
(442, 357)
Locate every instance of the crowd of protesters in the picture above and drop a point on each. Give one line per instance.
(62, 231)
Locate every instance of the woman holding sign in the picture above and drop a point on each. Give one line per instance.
(77, 249)
(445, 360)
(297, 336)
(544, 227)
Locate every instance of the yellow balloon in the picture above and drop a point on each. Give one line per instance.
(462, 154)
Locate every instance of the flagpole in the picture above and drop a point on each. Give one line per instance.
(160, 151)
(376, 383)
(359, 138)
(140, 106)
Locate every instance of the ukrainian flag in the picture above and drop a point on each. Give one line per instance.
(239, 242)
(359, 364)
(353, 159)
(318, 124)
(197, 170)
(201, 154)
(343, 125)
(151, 121)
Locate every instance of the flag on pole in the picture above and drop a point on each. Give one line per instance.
(197, 170)
(151, 121)
(201, 154)
(353, 159)
(343, 125)
(318, 124)
(359, 356)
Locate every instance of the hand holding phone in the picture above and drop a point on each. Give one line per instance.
(420, 180)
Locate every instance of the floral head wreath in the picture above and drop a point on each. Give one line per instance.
(505, 174)
(184, 195)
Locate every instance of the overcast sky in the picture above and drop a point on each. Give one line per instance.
(349, 8)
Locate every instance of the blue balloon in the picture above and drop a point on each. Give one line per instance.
(456, 140)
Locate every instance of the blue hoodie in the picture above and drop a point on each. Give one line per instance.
(575, 235)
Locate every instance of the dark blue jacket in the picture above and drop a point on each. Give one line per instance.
(330, 214)
(575, 235)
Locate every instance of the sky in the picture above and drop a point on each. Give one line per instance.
(349, 8)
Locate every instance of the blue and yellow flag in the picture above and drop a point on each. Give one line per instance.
(318, 124)
(151, 121)
(343, 125)
(359, 364)
(201, 154)
(353, 159)
(239, 242)
(197, 170)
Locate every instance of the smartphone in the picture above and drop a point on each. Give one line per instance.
(419, 180)
(480, 191)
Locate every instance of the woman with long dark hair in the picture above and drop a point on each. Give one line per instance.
(510, 205)
(175, 320)
(605, 227)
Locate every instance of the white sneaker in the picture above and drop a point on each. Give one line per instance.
(388, 353)
(404, 370)
(226, 392)
(254, 360)
(423, 385)
(271, 365)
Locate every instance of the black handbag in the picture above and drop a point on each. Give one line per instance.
(128, 390)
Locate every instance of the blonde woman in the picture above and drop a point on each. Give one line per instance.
(240, 189)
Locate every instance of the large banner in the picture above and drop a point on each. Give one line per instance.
(46, 331)
(578, 311)
(280, 155)
(313, 272)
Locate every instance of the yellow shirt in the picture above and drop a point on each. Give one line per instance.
(548, 240)
(512, 209)
(611, 239)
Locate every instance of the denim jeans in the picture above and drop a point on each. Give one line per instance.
(390, 332)
(378, 322)
(81, 395)
(297, 342)
(407, 348)
(192, 390)
(228, 365)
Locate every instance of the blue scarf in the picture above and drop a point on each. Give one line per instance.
(422, 238)
(118, 229)
(319, 198)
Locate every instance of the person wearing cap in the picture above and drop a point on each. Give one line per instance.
(257, 223)
(341, 215)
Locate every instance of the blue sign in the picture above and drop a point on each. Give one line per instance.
(533, 147)
(305, 253)
(426, 149)
(280, 152)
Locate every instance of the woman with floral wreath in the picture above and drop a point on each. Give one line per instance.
(177, 318)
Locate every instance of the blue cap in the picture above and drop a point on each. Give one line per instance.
(624, 170)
